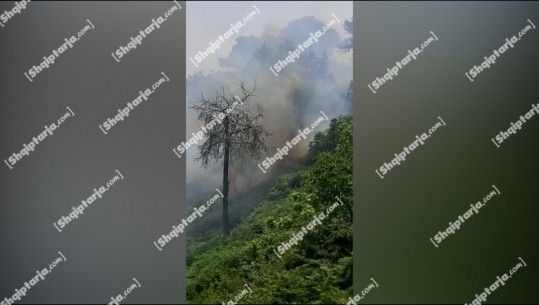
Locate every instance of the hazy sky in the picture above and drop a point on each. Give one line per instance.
(207, 20)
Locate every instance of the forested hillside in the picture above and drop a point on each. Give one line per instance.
(316, 270)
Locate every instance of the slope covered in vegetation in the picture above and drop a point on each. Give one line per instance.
(316, 270)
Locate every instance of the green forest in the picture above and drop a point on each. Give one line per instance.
(317, 270)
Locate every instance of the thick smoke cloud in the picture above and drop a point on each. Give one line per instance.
(291, 101)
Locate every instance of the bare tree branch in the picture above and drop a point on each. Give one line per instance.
(238, 135)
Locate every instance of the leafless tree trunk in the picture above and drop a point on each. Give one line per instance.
(226, 224)
(239, 135)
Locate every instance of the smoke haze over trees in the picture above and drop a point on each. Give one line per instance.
(291, 101)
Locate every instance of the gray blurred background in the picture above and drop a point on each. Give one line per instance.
(113, 241)
(395, 217)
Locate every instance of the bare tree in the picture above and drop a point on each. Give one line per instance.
(234, 134)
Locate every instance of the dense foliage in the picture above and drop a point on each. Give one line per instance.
(317, 269)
